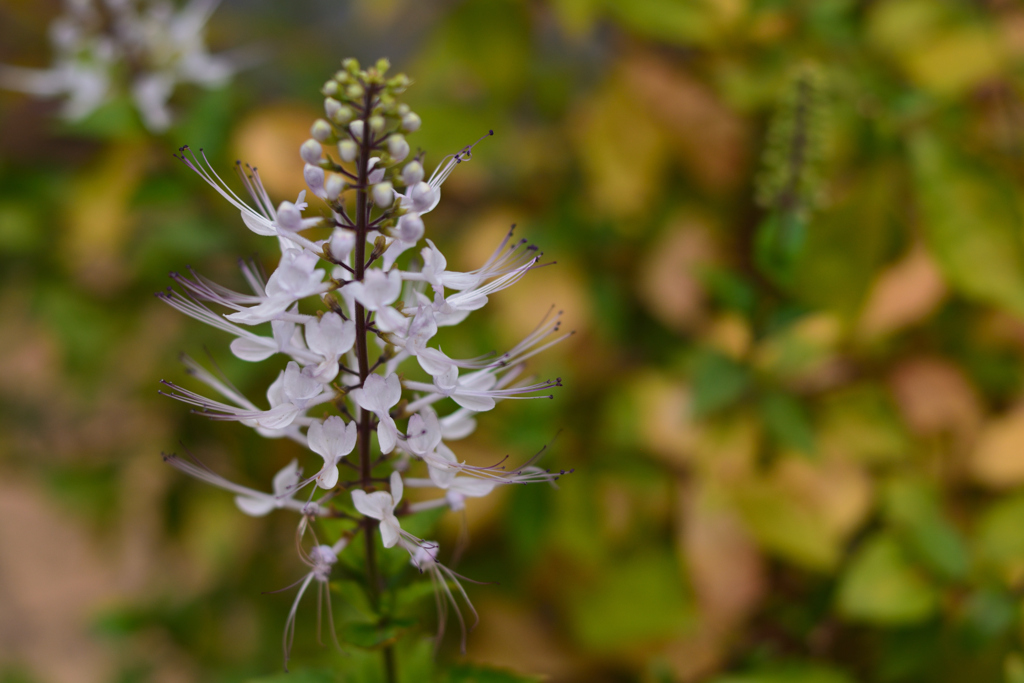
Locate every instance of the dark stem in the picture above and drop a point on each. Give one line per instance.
(365, 426)
(789, 198)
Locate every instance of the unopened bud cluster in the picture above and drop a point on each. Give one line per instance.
(350, 369)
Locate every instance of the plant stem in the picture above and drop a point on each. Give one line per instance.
(364, 428)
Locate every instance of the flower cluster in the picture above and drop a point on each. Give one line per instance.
(143, 47)
(351, 368)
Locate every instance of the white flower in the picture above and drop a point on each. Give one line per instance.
(320, 560)
(264, 220)
(250, 501)
(95, 44)
(457, 489)
(380, 505)
(330, 337)
(377, 290)
(379, 395)
(293, 392)
(296, 278)
(255, 348)
(332, 440)
(421, 197)
(424, 557)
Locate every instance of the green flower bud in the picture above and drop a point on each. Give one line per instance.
(354, 91)
(377, 123)
(351, 65)
(331, 107)
(330, 88)
(410, 122)
(399, 83)
(398, 148)
(412, 173)
(383, 194)
(333, 186)
(348, 150)
(321, 131)
(343, 115)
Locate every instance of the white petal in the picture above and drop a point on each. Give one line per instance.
(287, 477)
(374, 505)
(252, 350)
(258, 224)
(478, 403)
(255, 507)
(472, 486)
(279, 417)
(389, 532)
(435, 362)
(328, 477)
(387, 433)
(396, 488)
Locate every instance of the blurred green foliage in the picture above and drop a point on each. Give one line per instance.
(793, 404)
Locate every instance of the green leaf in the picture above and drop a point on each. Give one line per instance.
(850, 238)
(881, 586)
(718, 382)
(786, 527)
(787, 421)
(971, 224)
(779, 241)
(475, 673)
(990, 613)
(684, 23)
(371, 636)
(915, 512)
(632, 601)
(999, 535)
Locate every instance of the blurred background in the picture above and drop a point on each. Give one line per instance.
(788, 234)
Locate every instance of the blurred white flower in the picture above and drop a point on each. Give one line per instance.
(142, 48)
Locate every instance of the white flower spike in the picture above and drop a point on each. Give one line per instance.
(348, 311)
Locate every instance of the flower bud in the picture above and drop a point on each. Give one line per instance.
(311, 151)
(399, 83)
(383, 194)
(333, 186)
(314, 176)
(383, 64)
(330, 88)
(348, 149)
(351, 65)
(343, 115)
(410, 227)
(403, 109)
(331, 107)
(411, 122)
(412, 173)
(289, 217)
(341, 244)
(422, 196)
(321, 131)
(398, 148)
(356, 128)
(354, 91)
(377, 123)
